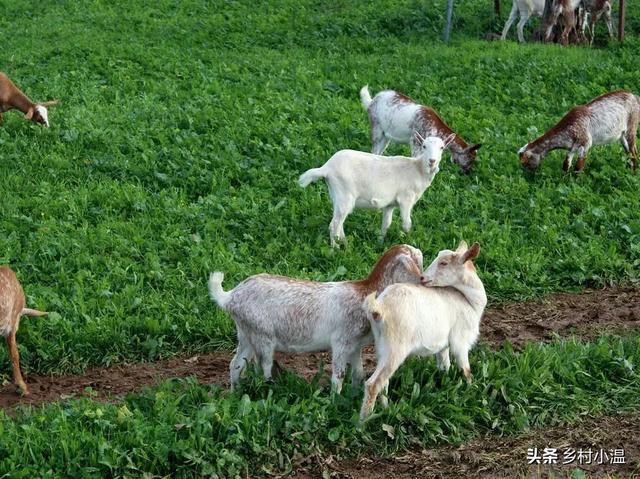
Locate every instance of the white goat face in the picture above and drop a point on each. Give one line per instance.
(432, 148)
(448, 267)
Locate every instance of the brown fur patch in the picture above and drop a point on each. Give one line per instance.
(430, 116)
(401, 98)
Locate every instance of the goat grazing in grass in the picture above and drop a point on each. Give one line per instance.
(276, 313)
(591, 13)
(610, 117)
(567, 9)
(12, 98)
(364, 180)
(526, 9)
(396, 117)
(429, 319)
(11, 308)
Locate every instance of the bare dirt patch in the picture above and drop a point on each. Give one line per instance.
(586, 315)
(496, 457)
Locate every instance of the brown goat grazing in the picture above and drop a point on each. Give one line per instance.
(12, 98)
(610, 117)
(11, 308)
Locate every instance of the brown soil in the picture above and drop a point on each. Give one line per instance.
(586, 315)
(495, 457)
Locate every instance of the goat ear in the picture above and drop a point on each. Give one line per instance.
(475, 147)
(471, 252)
(449, 139)
(411, 264)
(462, 247)
(50, 103)
(29, 114)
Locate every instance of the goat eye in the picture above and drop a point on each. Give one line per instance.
(443, 263)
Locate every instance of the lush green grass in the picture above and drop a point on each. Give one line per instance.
(183, 429)
(182, 130)
(184, 126)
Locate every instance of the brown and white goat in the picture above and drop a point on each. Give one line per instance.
(276, 313)
(610, 117)
(568, 9)
(12, 98)
(594, 9)
(11, 308)
(424, 320)
(397, 117)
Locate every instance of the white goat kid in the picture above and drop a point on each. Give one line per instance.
(363, 180)
(526, 9)
(411, 320)
(276, 313)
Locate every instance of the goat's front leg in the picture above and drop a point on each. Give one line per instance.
(568, 160)
(582, 157)
(628, 141)
(15, 363)
(1, 119)
(442, 360)
(405, 214)
(461, 353)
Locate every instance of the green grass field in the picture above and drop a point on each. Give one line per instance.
(182, 129)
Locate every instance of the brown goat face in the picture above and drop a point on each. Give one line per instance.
(41, 116)
(38, 115)
(466, 158)
(530, 160)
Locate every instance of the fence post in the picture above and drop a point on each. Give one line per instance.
(447, 29)
(621, 22)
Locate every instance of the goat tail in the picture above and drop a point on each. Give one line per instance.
(33, 312)
(365, 97)
(372, 306)
(314, 174)
(216, 292)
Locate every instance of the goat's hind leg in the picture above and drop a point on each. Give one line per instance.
(379, 381)
(341, 210)
(244, 354)
(15, 362)
(512, 18)
(524, 17)
(379, 140)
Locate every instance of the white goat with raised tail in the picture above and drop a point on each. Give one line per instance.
(429, 319)
(363, 180)
(276, 313)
